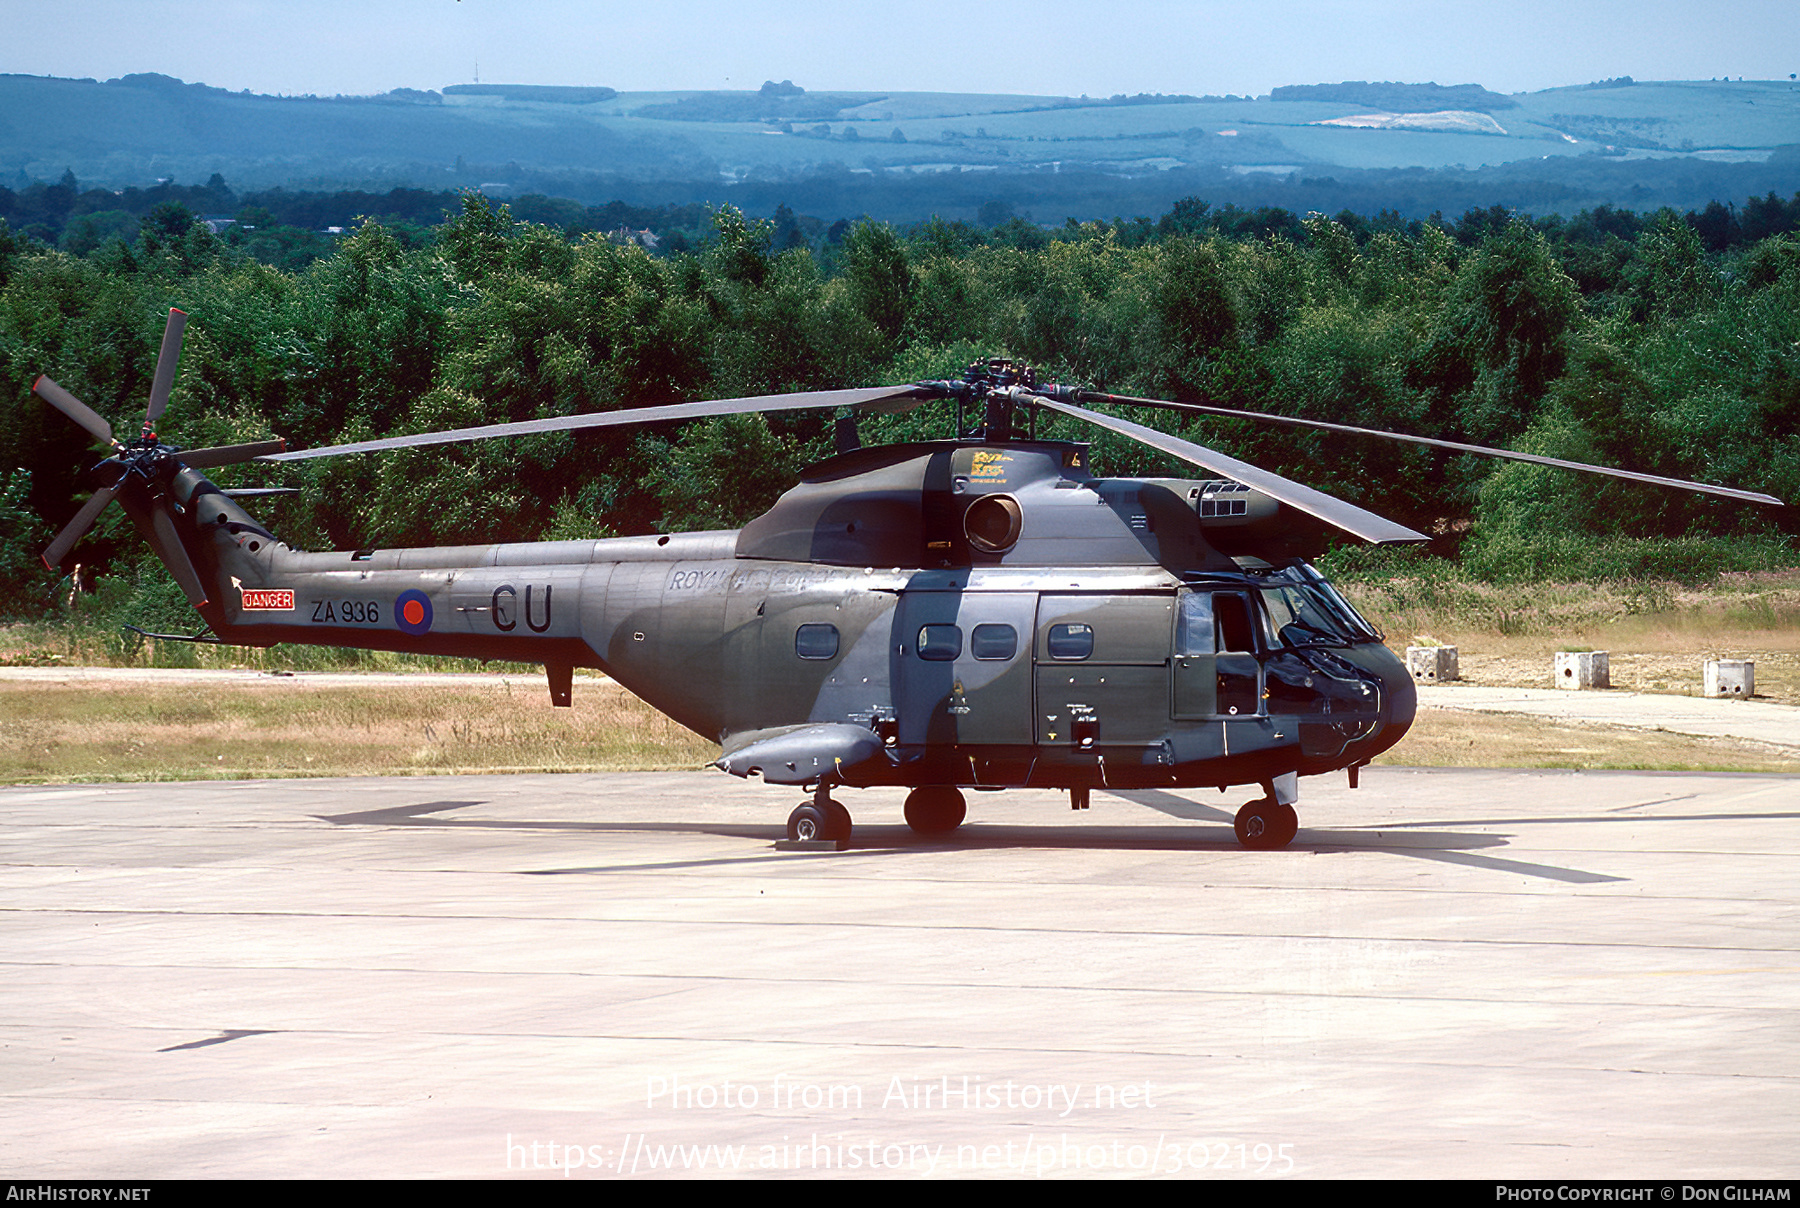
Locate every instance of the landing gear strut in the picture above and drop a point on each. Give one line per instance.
(935, 809)
(820, 818)
(1266, 825)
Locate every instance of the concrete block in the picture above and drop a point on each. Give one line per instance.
(1730, 677)
(1583, 669)
(1432, 664)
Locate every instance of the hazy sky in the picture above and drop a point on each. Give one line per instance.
(1027, 46)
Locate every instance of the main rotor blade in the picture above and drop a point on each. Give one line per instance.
(1482, 450)
(1333, 511)
(230, 455)
(77, 528)
(175, 557)
(166, 359)
(74, 408)
(882, 398)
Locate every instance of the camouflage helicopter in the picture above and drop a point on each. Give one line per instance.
(980, 612)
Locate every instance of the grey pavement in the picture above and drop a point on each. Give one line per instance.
(1451, 973)
(1725, 717)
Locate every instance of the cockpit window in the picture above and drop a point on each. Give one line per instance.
(1232, 612)
(1302, 615)
(1321, 598)
(1194, 624)
(1353, 618)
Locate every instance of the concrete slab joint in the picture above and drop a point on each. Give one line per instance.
(1578, 669)
(1730, 677)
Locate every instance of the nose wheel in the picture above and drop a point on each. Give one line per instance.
(820, 818)
(1266, 825)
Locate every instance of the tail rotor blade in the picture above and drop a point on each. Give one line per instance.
(166, 360)
(175, 557)
(231, 455)
(77, 528)
(74, 408)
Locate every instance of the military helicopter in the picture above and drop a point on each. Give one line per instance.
(979, 612)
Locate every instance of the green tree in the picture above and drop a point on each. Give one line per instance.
(879, 278)
(722, 472)
(1671, 273)
(23, 536)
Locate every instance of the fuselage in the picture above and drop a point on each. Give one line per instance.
(1030, 625)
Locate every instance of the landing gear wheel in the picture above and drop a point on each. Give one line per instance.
(839, 820)
(1265, 825)
(935, 809)
(1290, 824)
(811, 820)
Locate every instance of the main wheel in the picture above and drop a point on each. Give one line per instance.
(1290, 824)
(809, 821)
(935, 809)
(839, 820)
(1265, 825)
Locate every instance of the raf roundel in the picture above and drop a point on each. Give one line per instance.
(412, 612)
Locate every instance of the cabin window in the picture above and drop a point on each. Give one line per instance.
(994, 641)
(1071, 642)
(816, 641)
(940, 643)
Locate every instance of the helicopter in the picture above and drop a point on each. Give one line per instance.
(974, 613)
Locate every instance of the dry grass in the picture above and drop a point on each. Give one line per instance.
(290, 727)
(1658, 635)
(87, 644)
(127, 730)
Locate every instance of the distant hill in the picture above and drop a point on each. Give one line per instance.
(549, 94)
(765, 106)
(908, 155)
(1399, 98)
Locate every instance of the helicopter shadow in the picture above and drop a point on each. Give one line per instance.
(1451, 847)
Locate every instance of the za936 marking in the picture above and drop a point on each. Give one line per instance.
(347, 612)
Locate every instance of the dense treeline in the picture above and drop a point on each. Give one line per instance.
(1636, 340)
(282, 226)
(289, 228)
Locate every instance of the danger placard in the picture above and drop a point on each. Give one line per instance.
(263, 599)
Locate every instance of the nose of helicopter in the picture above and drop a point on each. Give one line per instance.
(1399, 699)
